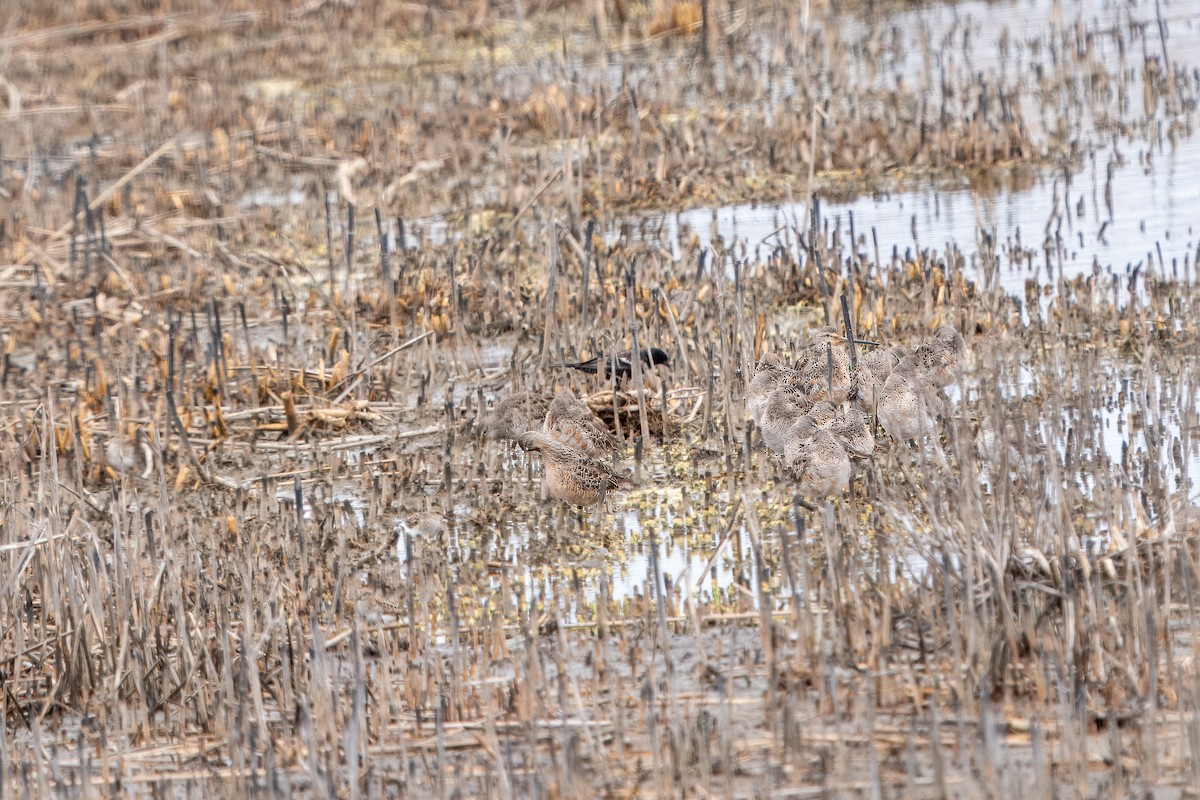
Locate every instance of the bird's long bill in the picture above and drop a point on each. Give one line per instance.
(841, 337)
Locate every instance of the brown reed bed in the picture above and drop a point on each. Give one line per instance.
(255, 543)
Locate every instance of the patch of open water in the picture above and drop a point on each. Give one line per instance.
(1152, 227)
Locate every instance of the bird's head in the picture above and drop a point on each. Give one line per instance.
(530, 440)
(656, 356)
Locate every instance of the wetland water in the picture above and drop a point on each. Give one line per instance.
(1005, 607)
(1153, 225)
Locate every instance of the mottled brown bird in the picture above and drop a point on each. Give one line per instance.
(785, 405)
(817, 345)
(825, 349)
(569, 474)
(824, 413)
(853, 430)
(908, 405)
(873, 370)
(942, 358)
(821, 466)
(516, 414)
(572, 423)
(769, 374)
(798, 436)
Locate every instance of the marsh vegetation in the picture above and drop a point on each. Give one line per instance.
(267, 268)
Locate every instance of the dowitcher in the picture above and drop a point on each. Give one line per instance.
(949, 335)
(908, 404)
(873, 371)
(942, 357)
(817, 344)
(798, 437)
(569, 474)
(619, 364)
(770, 371)
(824, 413)
(785, 405)
(573, 424)
(516, 414)
(824, 364)
(821, 383)
(821, 466)
(853, 430)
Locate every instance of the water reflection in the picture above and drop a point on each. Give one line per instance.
(1059, 227)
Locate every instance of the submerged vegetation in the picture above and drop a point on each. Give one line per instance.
(267, 272)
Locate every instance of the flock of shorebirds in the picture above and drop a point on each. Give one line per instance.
(817, 411)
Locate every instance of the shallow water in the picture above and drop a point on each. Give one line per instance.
(1152, 226)
(1131, 203)
(1011, 38)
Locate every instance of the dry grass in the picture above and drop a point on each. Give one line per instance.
(254, 542)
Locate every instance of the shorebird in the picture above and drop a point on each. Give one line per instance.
(816, 345)
(824, 413)
(785, 405)
(821, 466)
(573, 424)
(873, 371)
(798, 437)
(824, 366)
(854, 432)
(769, 373)
(569, 474)
(820, 382)
(908, 405)
(516, 414)
(619, 364)
(942, 357)
(950, 336)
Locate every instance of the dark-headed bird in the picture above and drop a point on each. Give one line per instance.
(619, 364)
